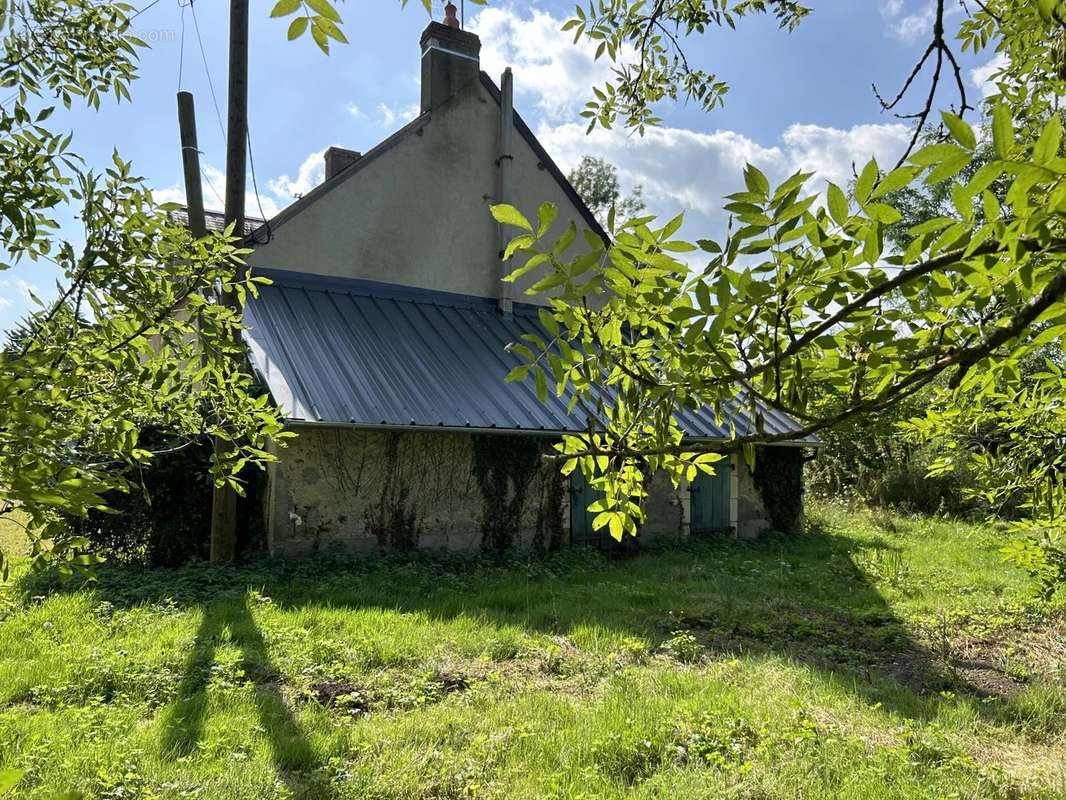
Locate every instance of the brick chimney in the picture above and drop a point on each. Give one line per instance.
(339, 159)
(449, 60)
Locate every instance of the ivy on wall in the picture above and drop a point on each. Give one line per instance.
(552, 530)
(778, 475)
(504, 467)
(392, 519)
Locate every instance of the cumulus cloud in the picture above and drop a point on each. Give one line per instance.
(311, 173)
(688, 170)
(549, 68)
(982, 76)
(213, 187)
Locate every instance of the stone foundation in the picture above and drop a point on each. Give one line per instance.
(363, 490)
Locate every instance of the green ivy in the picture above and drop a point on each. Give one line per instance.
(504, 467)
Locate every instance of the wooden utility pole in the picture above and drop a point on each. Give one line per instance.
(190, 161)
(224, 502)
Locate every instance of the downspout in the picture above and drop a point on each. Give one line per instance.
(503, 195)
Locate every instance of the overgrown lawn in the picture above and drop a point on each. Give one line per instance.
(875, 656)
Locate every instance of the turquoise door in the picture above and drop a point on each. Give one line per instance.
(581, 497)
(710, 499)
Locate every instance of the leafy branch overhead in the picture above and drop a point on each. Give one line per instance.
(645, 45)
(322, 19)
(801, 294)
(136, 337)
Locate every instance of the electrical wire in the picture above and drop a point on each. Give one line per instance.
(181, 48)
(255, 186)
(207, 69)
(141, 11)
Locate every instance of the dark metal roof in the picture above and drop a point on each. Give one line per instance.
(214, 221)
(354, 352)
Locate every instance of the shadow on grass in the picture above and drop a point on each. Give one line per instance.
(800, 597)
(183, 719)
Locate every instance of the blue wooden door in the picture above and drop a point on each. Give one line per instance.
(581, 497)
(710, 499)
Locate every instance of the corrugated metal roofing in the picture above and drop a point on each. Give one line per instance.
(215, 221)
(345, 351)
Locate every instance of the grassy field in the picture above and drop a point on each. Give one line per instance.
(874, 657)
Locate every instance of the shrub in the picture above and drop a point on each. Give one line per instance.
(165, 518)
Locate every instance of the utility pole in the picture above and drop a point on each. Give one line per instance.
(224, 501)
(190, 161)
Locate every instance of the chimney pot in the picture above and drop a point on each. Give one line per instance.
(449, 16)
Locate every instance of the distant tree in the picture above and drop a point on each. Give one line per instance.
(596, 180)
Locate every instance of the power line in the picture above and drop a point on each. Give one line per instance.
(255, 186)
(141, 11)
(181, 49)
(207, 69)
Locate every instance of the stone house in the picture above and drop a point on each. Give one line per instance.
(382, 339)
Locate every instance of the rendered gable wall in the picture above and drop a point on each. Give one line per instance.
(418, 213)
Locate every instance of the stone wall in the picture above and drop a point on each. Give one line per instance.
(363, 490)
(751, 517)
(367, 490)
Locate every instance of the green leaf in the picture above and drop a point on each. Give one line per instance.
(297, 28)
(548, 321)
(546, 215)
(541, 384)
(325, 9)
(838, 204)
(756, 181)
(519, 242)
(285, 7)
(865, 184)
(1047, 146)
(960, 130)
(886, 215)
(895, 180)
(509, 215)
(1002, 131)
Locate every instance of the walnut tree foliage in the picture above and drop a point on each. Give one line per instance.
(803, 299)
(137, 335)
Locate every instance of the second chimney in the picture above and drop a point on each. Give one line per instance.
(449, 62)
(339, 159)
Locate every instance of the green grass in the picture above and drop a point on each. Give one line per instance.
(870, 658)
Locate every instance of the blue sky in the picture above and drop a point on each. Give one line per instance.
(796, 100)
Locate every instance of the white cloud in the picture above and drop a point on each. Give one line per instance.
(689, 170)
(548, 66)
(401, 115)
(354, 110)
(913, 22)
(830, 152)
(311, 173)
(981, 76)
(213, 187)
